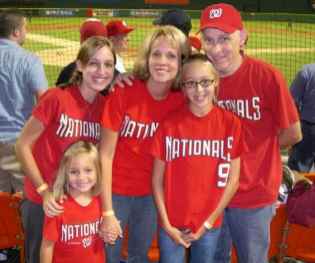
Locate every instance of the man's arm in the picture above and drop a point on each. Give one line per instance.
(290, 135)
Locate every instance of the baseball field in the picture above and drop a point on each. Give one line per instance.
(285, 44)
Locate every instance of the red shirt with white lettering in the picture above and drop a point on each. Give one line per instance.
(197, 152)
(75, 233)
(258, 94)
(135, 114)
(67, 118)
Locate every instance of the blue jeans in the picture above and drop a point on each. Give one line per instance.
(139, 213)
(249, 229)
(302, 156)
(201, 251)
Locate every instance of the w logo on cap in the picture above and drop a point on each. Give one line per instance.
(215, 13)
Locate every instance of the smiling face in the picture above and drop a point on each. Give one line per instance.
(199, 85)
(223, 49)
(163, 61)
(97, 73)
(82, 175)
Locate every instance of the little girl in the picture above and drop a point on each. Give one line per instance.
(196, 169)
(73, 235)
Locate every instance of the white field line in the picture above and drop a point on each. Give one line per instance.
(62, 55)
(67, 49)
(52, 40)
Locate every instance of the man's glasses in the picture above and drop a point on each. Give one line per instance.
(204, 83)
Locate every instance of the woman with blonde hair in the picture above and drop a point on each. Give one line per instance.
(62, 117)
(131, 117)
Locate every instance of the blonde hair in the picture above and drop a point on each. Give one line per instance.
(202, 58)
(176, 37)
(61, 185)
(87, 50)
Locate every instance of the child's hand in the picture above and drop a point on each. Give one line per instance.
(195, 236)
(110, 229)
(178, 236)
(50, 205)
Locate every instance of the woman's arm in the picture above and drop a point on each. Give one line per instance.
(158, 192)
(46, 251)
(30, 133)
(110, 228)
(229, 191)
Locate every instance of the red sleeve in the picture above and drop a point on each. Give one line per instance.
(51, 229)
(284, 109)
(46, 109)
(113, 113)
(157, 147)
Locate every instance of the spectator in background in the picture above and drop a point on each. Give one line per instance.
(90, 27)
(22, 81)
(118, 31)
(302, 156)
(195, 44)
(179, 19)
(258, 94)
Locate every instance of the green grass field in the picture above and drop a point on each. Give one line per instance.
(286, 45)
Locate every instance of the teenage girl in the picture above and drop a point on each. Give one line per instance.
(62, 117)
(196, 168)
(73, 235)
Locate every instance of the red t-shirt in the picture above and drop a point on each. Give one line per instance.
(258, 94)
(135, 114)
(67, 118)
(197, 152)
(75, 233)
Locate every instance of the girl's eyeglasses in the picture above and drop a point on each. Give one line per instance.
(204, 83)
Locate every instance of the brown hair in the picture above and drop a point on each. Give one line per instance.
(10, 20)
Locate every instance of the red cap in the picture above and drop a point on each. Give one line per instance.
(221, 16)
(117, 27)
(92, 27)
(195, 42)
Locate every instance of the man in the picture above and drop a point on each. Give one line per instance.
(302, 156)
(179, 19)
(258, 94)
(118, 32)
(22, 80)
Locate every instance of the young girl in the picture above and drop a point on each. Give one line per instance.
(130, 118)
(73, 235)
(196, 168)
(62, 117)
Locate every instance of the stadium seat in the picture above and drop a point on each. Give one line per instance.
(11, 231)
